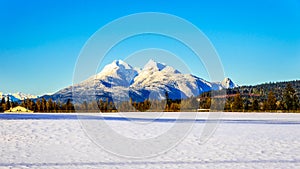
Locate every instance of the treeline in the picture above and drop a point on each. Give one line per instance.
(167, 105)
(40, 105)
(253, 99)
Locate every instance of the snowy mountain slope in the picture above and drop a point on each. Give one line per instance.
(119, 81)
(112, 82)
(157, 78)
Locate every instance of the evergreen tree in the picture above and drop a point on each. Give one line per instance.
(49, 105)
(237, 104)
(2, 105)
(101, 105)
(105, 105)
(111, 106)
(43, 105)
(23, 104)
(205, 102)
(264, 105)
(69, 106)
(7, 104)
(146, 104)
(31, 105)
(280, 105)
(2, 101)
(55, 107)
(271, 101)
(255, 105)
(38, 105)
(227, 106)
(168, 101)
(58, 106)
(290, 99)
(246, 105)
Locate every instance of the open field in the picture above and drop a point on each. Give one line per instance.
(241, 140)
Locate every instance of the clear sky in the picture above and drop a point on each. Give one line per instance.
(257, 41)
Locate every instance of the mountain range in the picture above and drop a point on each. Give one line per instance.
(15, 97)
(119, 81)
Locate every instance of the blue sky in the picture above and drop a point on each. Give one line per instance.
(257, 41)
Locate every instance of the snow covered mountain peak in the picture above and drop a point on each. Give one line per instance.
(117, 73)
(115, 65)
(153, 65)
(121, 63)
(117, 69)
(228, 83)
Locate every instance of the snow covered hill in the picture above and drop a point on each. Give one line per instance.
(120, 81)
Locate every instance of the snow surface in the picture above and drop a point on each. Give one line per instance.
(241, 140)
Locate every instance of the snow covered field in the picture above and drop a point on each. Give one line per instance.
(241, 140)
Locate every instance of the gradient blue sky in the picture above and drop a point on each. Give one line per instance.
(257, 41)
